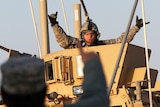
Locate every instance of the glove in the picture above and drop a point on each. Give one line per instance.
(53, 18)
(139, 22)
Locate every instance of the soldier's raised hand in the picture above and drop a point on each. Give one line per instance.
(53, 18)
(139, 22)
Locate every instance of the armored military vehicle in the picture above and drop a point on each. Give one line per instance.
(131, 83)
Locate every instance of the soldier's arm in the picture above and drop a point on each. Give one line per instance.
(64, 40)
(131, 34)
(133, 31)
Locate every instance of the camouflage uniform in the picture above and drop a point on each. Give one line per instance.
(68, 42)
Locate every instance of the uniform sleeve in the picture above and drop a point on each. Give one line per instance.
(94, 87)
(131, 34)
(64, 40)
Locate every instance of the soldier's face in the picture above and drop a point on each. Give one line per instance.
(89, 37)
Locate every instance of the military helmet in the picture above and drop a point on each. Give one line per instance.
(89, 26)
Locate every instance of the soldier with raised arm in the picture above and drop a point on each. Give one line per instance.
(89, 34)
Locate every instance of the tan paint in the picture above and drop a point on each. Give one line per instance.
(132, 68)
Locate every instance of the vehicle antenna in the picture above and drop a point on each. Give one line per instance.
(85, 11)
(146, 53)
(122, 46)
(64, 13)
(35, 28)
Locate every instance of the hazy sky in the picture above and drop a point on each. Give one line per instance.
(111, 16)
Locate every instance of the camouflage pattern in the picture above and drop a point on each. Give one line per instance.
(64, 40)
(68, 42)
(89, 26)
(23, 75)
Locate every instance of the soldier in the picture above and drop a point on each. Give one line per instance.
(23, 83)
(89, 34)
(94, 91)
